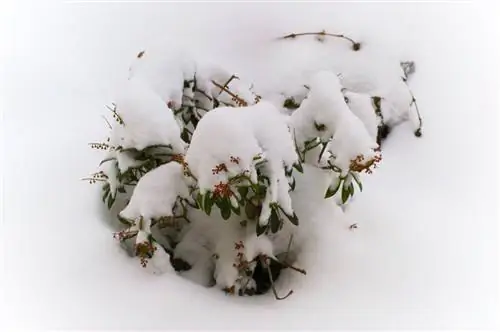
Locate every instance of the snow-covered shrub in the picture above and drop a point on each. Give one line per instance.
(211, 164)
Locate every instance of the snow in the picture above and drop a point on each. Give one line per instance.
(361, 105)
(146, 119)
(156, 193)
(325, 107)
(244, 133)
(164, 72)
(424, 255)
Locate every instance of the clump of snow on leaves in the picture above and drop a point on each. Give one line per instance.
(249, 133)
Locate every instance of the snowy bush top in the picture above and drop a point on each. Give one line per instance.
(209, 165)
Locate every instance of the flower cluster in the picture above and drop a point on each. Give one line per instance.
(219, 168)
(359, 164)
(222, 190)
(235, 160)
(99, 176)
(179, 158)
(144, 250)
(99, 146)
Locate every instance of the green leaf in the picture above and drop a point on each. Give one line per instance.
(290, 103)
(261, 191)
(292, 185)
(236, 210)
(199, 200)
(185, 136)
(298, 167)
(216, 103)
(319, 126)
(351, 189)
(334, 187)
(208, 203)
(243, 191)
(106, 160)
(274, 220)
(122, 190)
(194, 121)
(124, 221)
(293, 218)
(111, 200)
(322, 151)
(251, 211)
(225, 208)
(260, 229)
(105, 190)
(358, 180)
(345, 194)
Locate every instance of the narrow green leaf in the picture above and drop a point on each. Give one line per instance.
(260, 229)
(225, 208)
(185, 136)
(358, 180)
(319, 126)
(194, 121)
(106, 160)
(236, 210)
(322, 151)
(351, 189)
(243, 191)
(105, 195)
(261, 190)
(208, 202)
(334, 187)
(274, 220)
(124, 221)
(199, 200)
(298, 167)
(293, 218)
(250, 210)
(111, 200)
(345, 194)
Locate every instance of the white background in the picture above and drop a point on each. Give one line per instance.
(426, 252)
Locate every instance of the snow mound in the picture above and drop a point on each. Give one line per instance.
(238, 138)
(146, 119)
(156, 193)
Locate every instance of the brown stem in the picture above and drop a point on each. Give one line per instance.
(229, 81)
(285, 264)
(355, 45)
(418, 132)
(288, 248)
(272, 283)
(93, 179)
(109, 124)
(204, 94)
(238, 99)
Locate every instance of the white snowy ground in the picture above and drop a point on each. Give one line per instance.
(425, 255)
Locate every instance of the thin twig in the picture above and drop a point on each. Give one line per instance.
(285, 264)
(238, 99)
(109, 124)
(229, 81)
(204, 94)
(115, 114)
(418, 132)
(288, 248)
(355, 45)
(272, 283)
(93, 179)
